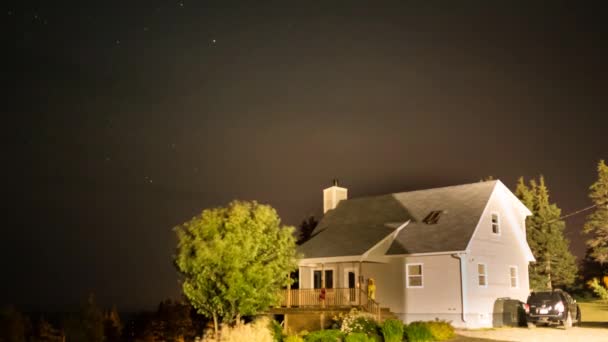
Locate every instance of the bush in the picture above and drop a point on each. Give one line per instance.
(441, 330)
(429, 331)
(418, 332)
(599, 290)
(293, 338)
(359, 322)
(257, 331)
(277, 331)
(330, 335)
(392, 330)
(359, 337)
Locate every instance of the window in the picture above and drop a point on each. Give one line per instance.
(495, 223)
(318, 282)
(482, 275)
(433, 217)
(513, 275)
(414, 275)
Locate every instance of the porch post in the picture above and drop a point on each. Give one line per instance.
(323, 284)
(359, 289)
(289, 292)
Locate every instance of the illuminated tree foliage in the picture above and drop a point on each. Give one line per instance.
(597, 222)
(555, 265)
(234, 260)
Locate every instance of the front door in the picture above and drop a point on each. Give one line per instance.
(350, 282)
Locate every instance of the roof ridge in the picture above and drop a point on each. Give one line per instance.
(422, 190)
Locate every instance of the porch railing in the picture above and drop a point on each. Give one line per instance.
(314, 297)
(338, 297)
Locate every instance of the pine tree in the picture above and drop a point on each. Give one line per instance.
(306, 228)
(555, 265)
(597, 222)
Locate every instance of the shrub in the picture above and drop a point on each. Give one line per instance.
(257, 331)
(293, 338)
(277, 331)
(359, 322)
(358, 337)
(441, 330)
(392, 330)
(330, 335)
(437, 330)
(599, 290)
(418, 332)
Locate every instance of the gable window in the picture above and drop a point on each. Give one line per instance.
(413, 274)
(495, 223)
(482, 275)
(514, 277)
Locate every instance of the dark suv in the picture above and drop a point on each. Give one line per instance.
(552, 307)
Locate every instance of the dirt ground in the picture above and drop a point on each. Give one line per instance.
(588, 332)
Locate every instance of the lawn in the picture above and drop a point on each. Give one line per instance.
(594, 311)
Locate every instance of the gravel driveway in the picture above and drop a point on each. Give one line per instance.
(589, 332)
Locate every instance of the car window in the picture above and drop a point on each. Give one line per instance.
(543, 296)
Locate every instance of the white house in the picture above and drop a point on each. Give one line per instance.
(449, 253)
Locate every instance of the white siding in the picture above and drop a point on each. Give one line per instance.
(499, 252)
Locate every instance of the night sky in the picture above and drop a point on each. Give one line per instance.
(122, 119)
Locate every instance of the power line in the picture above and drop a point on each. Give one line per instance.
(581, 210)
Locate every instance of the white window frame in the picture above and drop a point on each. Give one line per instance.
(407, 275)
(485, 274)
(498, 225)
(516, 277)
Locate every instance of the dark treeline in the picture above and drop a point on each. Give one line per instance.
(172, 321)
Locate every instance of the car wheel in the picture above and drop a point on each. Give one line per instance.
(568, 321)
(579, 320)
(531, 325)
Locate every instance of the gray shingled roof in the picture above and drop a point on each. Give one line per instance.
(358, 224)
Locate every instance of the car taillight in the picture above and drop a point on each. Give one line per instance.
(559, 307)
(527, 308)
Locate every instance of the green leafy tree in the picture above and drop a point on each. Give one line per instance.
(597, 222)
(234, 260)
(555, 265)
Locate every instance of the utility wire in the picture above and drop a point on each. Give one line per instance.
(581, 210)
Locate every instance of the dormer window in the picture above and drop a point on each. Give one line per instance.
(433, 217)
(495, 224)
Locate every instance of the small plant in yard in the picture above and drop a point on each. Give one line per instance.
(441, 330)
(293, 338)
(418, 332)
(598, 289)
(392, 330)
(277, 331)
(330, 335)
(257, 331)
(359, 322)
(359, 337)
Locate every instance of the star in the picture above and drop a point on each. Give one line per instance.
(117, 42)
